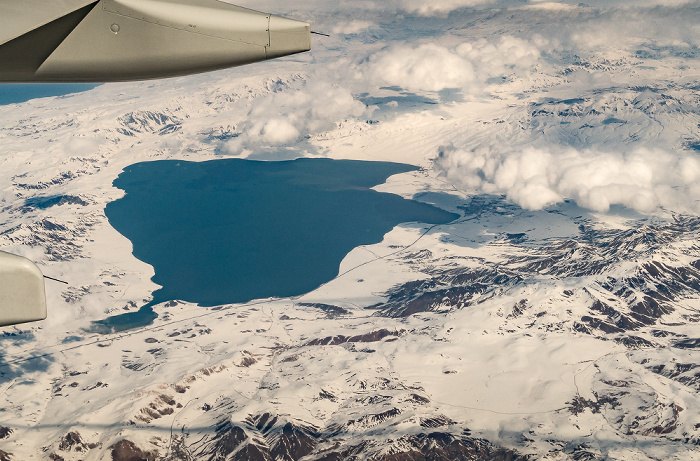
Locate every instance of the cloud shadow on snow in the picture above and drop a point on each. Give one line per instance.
(14, 367)
(486, 218)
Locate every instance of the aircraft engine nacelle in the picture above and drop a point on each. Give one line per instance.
(118, 40)
(22, 296)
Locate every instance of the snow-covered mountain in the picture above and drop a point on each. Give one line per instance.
(557, 318)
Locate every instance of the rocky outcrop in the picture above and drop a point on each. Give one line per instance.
(435, 446)
(126, 450)
(161, 123)
(370, 337)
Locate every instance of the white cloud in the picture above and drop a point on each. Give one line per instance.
(352, 27)
(434, 7)
(82, 146)
(550, 6)
(326, 97)
(287, 116)
(633, 5)
(442, 8)
(624, 27)
(510, 55)
(431, 67)
(425, 68)
(535, 178)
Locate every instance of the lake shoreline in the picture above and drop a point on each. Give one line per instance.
(231, 231)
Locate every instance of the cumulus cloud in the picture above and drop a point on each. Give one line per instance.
(81, 146)
(425, 68)
(431, 67)
(623, 26)
(632, 5)
(286, 117)
(434, 7)
(444, 7)
(533, 178)
(327, 97)
(550, 6)
(352, 27)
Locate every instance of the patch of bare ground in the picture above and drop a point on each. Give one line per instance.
(436, 446)
(126, 450)
(370, 337)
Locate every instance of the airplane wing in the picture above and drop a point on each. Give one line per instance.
(22, 297)
(118, 40)
(18, 17)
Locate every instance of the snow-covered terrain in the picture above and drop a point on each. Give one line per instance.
(556, 319)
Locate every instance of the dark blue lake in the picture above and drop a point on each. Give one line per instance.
(230, 231)
(11, 93)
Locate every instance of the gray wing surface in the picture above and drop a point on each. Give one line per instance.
(22, 296)
(118, 40)
(17, 17)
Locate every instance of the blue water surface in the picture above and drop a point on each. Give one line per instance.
(11, 93)
(233, 230)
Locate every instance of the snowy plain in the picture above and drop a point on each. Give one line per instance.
(557, 318)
